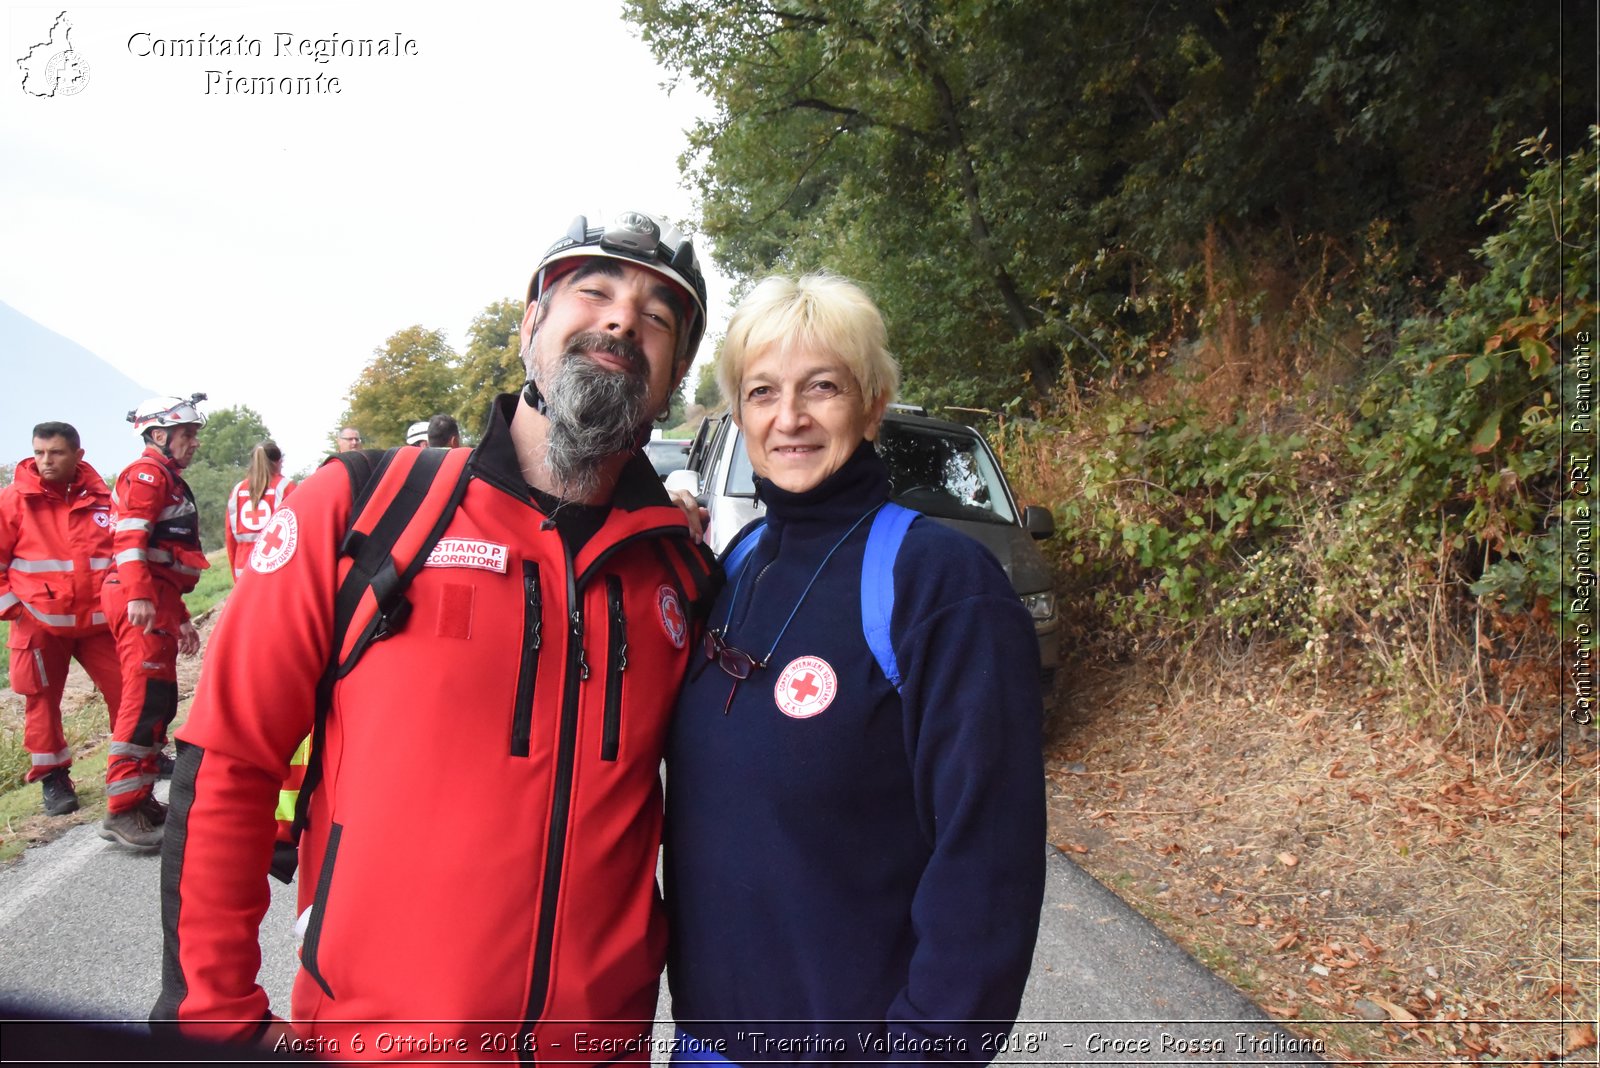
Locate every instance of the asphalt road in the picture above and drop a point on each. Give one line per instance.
(80, 938)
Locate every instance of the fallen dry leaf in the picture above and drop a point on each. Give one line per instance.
(1288, 860)
(1580, 1036)
(1396, 1012)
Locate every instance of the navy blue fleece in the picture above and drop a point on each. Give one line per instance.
(880, 864)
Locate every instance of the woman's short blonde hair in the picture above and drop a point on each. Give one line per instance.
(822, 312)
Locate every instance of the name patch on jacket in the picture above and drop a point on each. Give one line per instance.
(468, 552)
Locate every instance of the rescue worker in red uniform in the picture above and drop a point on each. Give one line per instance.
(55, 550)
(253, 501)
(477, 877)
(158, 559)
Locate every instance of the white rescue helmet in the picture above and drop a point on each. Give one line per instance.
(417, 433)
(166, 412)
(642, 240)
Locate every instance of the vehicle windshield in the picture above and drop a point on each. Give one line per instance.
(667, 456)
(948, 475)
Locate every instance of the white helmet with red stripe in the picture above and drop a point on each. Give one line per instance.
(167, 411)
(637, 238)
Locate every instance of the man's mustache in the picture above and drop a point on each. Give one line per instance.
(590, 341)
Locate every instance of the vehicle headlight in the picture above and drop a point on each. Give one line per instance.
(1041, 606)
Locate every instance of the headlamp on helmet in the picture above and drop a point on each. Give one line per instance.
(167, 412)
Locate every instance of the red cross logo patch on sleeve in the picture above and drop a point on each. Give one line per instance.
(672, 618)
(806, 687)
(275, 546)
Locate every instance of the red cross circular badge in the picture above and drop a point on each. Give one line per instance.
(253, 515)
(806, 687)
(275, 546)
(672, 617)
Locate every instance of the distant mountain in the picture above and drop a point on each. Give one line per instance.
(46, 376)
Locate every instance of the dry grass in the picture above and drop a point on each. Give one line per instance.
(1353, 865)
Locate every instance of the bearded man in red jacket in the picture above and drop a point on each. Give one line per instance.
(477, 872)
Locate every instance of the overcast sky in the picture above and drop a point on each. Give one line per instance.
(259, 248)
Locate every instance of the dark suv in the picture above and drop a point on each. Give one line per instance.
(944, 470)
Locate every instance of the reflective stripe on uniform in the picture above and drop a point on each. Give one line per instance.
(132, 523)
(51, 758)
(36, 567)
(174, 511)
(50, 620)
(99, 563)
(97, 619)
(126, 786)
(162, 557)
(128, 556)
(129, 749)
(287, 800)
(246, 537)
(7, 600)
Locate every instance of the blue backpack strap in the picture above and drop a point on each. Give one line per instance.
(736, 555)
(877, 583)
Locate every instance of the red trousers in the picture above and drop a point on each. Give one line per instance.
(149, 693)
(39, 662)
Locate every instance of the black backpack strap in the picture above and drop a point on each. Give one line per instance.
(385, 552)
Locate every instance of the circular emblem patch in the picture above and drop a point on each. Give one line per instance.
(275, 546)
(806, 687)
(673, 620)
(102, 519)
(253, 515)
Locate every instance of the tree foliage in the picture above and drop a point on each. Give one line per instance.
(413, 376)
(1427, 499)
(226, 441)
(1026, 192)
(706, 393)
(491, 365)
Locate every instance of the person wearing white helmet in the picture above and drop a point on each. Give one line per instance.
(479, 850)
(157, 559)
(417, 433)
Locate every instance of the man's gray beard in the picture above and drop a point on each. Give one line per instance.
(594, 413)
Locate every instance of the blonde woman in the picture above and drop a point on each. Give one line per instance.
(855, 840)
(252, 502)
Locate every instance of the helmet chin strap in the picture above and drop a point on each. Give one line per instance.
(536, 401)
(531, 394)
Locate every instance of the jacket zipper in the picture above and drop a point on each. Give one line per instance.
(555, 853)
(528, 675)
(616, 664)
(560, 810)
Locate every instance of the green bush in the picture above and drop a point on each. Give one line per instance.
(1415, 505)
(1463, 428)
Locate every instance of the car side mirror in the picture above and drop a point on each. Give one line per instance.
(683, 479)
(1038, 522)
